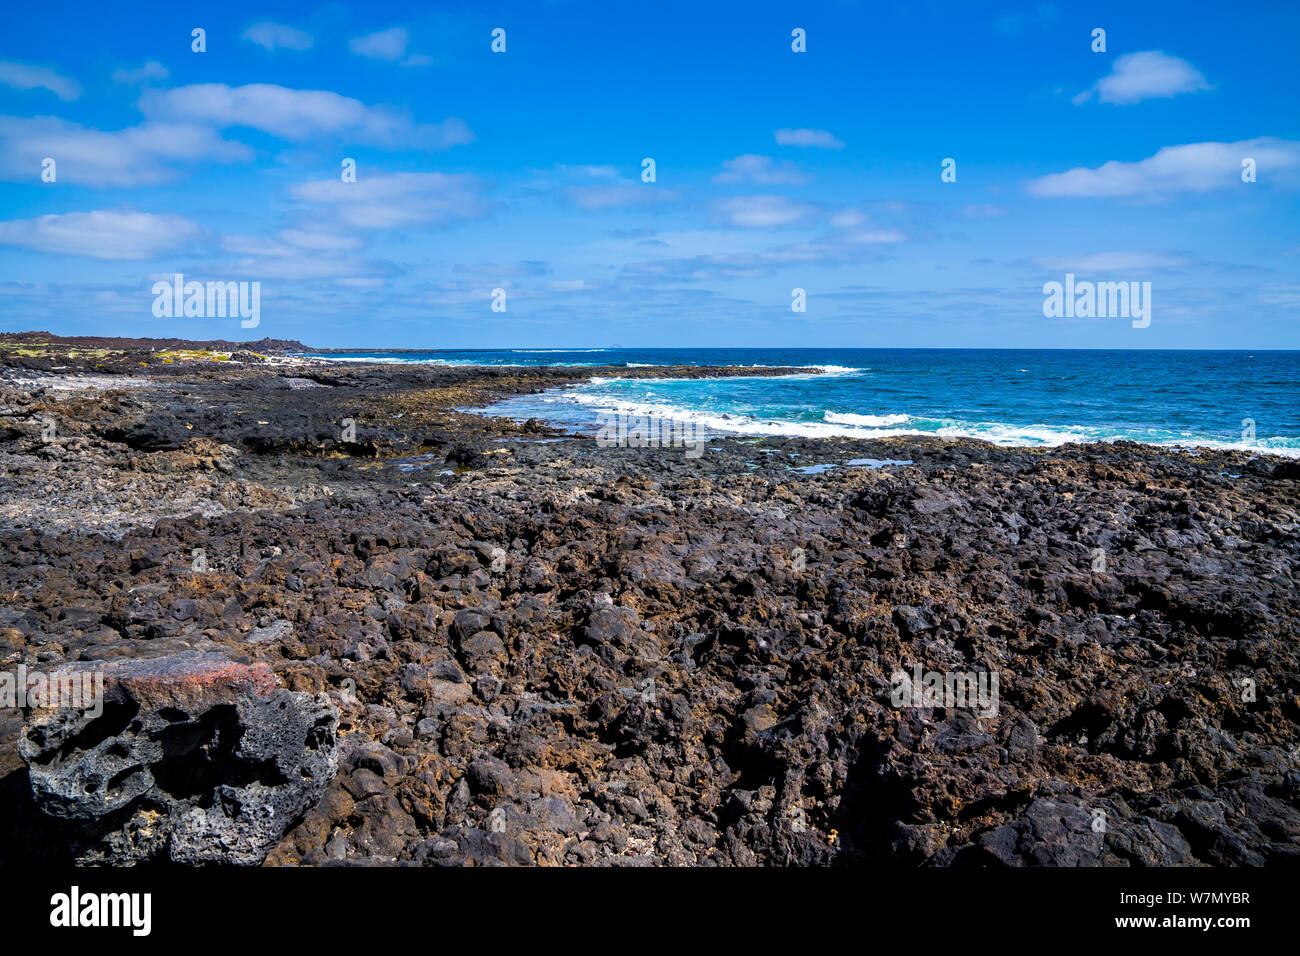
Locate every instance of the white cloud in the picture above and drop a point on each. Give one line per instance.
(303, 254)
(152, 70)
(101, 234)
(985, 210)
(523, 268)
(706, 268)
(399, 199)
(751, 168)
(301, 115)
(272, 35)
(130, 157)
(754, 263)
(595, 187)
(848, 218)
(1111, 261)
(322, 240)
(850, 222)
(22, 76)
(731, 254)
(254, 246)
(873, 236)
(304, 266)
(387, 44)
(764, 212)
(462, 293)
(594, 198)
(1280, 293)
(1144, 76)
(818, 138)
(1194, 167)
(589, 171)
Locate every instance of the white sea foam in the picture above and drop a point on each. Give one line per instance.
(720, 422)
(868, 421)
(839, 425)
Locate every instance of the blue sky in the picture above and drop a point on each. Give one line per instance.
(775, 170)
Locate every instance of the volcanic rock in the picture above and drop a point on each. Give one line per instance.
(194, 758)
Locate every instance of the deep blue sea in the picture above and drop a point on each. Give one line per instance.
(1010, 397)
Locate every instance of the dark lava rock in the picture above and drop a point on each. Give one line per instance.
(467, 623)
(912, 620)
(156, 432)
(621, 628)
(1057, 833)
(193, 758)
(491, 775)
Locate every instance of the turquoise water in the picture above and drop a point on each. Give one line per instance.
(1010, 397)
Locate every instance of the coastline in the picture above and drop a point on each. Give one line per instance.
(672, 659)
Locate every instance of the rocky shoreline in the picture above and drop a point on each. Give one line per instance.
(545, 652)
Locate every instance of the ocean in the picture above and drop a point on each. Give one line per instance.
(1220, 399)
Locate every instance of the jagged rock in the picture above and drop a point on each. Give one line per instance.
(912, 620)
(1059, 833)
(193, 758)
